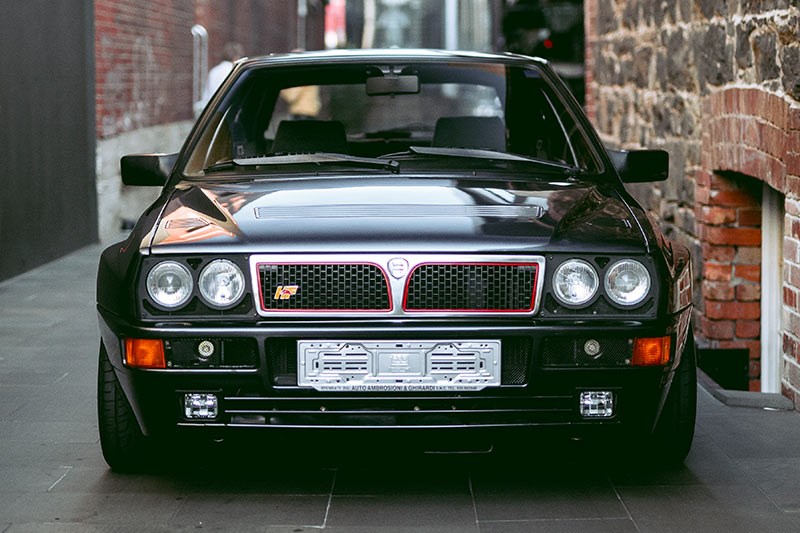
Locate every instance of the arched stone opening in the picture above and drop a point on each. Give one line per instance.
(740, 213)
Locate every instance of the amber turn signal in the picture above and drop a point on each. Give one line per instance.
(651, 351)
(145, 353)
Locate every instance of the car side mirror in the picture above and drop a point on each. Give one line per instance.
(147, 169)
(640, 166)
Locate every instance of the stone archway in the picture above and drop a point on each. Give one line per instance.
(746, 143)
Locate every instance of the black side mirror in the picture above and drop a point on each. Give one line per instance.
(640, 166)
(147, 169)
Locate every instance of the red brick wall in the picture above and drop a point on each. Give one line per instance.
(143, 51)
(750, 132)
(143, 58)
(261, 26)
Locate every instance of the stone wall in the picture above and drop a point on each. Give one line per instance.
(717, 84)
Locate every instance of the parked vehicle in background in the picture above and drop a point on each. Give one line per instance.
(552, 30)
(438, 243)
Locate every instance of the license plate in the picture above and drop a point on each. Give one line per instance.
(389, 366)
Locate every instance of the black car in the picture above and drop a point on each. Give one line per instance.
(398, 240)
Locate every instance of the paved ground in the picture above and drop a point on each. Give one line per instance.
(743, 473)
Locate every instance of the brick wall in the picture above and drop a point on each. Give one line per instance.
(143, 77)
(144, 51)
(143, 54)
(717, 84)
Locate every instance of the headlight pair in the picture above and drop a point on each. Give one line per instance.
(220, 284)
(626, 282)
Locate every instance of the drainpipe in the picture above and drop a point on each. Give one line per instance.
(368, 33)
(302, 15)
(451, 24)
(199, 66)
(772, 216)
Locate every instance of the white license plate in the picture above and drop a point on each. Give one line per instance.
(388, 366)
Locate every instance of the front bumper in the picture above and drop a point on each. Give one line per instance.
(536, 395)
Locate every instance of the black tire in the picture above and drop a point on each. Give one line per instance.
(123, 444)
(675, 430)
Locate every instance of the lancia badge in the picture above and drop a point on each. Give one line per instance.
(398, 267)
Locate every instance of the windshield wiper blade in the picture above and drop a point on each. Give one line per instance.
(227, 164)
(315, 158)
(474, 153)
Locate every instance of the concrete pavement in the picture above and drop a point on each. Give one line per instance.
(743, 473)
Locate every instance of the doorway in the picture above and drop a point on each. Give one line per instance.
(772, 217)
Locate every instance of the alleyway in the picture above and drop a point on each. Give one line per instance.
(743, 473)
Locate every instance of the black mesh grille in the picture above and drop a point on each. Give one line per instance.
(479, 287)
(226, 353)
(323, 287)
(514, 366)
(566, 351)
(282, 360)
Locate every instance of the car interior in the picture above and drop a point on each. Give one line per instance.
(457, 107)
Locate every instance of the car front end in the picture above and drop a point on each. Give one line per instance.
(447, 291)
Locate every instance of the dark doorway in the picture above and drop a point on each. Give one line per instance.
(48, 205)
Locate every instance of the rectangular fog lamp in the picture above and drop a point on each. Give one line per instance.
(200, 405)
(596, 404)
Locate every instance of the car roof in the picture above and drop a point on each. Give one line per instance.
(390, 54)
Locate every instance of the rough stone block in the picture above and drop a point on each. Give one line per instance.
(765, 53)
(713, 55)
(744, 50)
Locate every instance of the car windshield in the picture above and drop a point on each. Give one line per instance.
(385, 110)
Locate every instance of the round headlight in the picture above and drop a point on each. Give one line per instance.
(169, 284)
(627, 282)
(575, 282)
(221, 284)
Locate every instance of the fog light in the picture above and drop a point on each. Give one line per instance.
(197, 405)
(205, 349)
(592, 348)
(596, 404)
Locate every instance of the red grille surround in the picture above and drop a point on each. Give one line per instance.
(365, 285)
(324, 287)
(472, 288)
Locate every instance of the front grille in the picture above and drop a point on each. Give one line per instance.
(323, 287)
(472, 287)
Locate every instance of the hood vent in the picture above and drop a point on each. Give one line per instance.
(398, 211)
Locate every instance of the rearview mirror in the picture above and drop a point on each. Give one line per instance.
(640, 166)
(146, 169)
(391, 84)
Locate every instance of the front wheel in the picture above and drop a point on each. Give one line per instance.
(123, 444)
(674, 433)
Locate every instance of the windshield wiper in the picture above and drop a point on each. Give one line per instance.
(473, 153)
(316, 158)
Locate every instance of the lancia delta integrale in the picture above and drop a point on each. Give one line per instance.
(386, 241)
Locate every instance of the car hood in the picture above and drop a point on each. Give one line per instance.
(397, 214)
